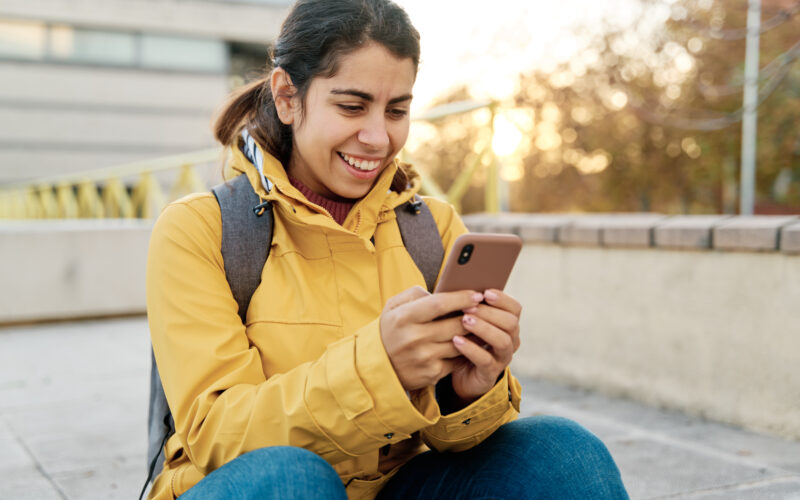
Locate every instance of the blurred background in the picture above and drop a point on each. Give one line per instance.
(631, 106)
(621, 105)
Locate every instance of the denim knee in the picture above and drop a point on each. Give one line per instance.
(275, 472)
(281, 463)
(574, 457)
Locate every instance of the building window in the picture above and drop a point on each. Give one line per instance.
(248, 62)
(91, 46)
(23, 40)
(70, 44)
(182, 53)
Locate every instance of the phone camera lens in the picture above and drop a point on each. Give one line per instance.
(465, 254)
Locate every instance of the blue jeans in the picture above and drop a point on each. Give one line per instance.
(276, 472)
(530, 458)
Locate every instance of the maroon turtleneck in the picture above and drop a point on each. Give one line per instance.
(337, 209)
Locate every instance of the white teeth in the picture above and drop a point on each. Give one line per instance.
(361, 164)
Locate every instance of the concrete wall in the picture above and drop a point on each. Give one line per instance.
(71, 269)
(669, 319)
(699, 314)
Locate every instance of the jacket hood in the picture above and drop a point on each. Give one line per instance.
(375, 207)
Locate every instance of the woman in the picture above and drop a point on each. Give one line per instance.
(342, 383)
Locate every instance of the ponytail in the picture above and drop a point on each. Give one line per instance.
(252, 106)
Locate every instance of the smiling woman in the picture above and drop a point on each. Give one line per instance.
(342, 376)
(352, 124)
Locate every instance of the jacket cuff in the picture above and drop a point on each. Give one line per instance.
(469, 426)
(370, 395)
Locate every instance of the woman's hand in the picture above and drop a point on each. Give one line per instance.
(495, 338)
(420, 346)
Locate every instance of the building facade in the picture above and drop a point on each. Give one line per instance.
(87, 84)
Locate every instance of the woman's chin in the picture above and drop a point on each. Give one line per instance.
(352, 192)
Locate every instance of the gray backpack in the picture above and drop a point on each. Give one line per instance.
(246, 240)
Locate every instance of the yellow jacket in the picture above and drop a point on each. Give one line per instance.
(309, 368)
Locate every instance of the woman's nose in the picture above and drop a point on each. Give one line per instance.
(374, 133)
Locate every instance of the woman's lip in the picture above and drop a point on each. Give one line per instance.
(360, 174)
(362, 158)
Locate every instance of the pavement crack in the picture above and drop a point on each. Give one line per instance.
(39, 467)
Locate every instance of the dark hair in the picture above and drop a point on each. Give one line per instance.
(312, 40)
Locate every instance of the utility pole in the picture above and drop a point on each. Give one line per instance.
(750, 109)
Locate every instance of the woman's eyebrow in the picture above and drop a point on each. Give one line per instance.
(369, 97)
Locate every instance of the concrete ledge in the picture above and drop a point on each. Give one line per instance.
(585, 230)
(630, 230)
(790, 238)
(692, 232)
(509, 224)
(542, 228)
(758, 232)
(74, 268)
(689, 231)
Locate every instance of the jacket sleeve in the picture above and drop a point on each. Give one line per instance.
(346, 403)
(469, 426)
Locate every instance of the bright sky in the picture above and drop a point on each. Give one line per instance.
(484, 44)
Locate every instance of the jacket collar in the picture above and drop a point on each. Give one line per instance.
(274, 186)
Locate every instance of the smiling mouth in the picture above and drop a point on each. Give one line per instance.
(363, 165)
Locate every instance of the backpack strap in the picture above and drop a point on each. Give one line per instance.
(421, 238)
(246, 237)
(160, 425)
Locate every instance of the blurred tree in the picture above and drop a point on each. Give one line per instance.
(646, 117)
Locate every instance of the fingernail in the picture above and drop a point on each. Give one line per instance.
(470, 310)
(477, 297)
(469, 319)
(458, 340)
(490, 295)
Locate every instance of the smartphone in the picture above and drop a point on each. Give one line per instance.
(479, 261)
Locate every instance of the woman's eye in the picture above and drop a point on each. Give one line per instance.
(349, 108)
(398, 113)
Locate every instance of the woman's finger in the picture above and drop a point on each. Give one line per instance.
(500, 318)
(436, 305)
(477, 355)
(443, 330)
(446, 350)
(500, 342)
(503, 301)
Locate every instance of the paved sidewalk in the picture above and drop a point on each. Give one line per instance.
(73, 405)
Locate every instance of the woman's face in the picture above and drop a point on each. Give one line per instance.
(353, 124)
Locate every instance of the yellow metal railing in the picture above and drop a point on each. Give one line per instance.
(133, 191)
(105, 192)
(459, 187)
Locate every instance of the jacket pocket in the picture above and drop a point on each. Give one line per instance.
(295, 290)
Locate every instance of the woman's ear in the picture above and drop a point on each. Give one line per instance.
(283, 93)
